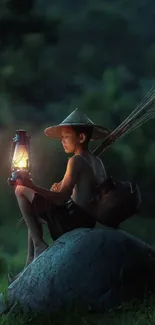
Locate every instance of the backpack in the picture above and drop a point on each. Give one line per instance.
(116, 201)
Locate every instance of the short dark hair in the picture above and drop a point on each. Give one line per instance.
(87, 130)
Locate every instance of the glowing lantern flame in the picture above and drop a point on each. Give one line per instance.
(21, 159)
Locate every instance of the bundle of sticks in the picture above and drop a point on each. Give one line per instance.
(140, 115)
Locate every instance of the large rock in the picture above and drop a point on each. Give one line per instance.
(98, 267)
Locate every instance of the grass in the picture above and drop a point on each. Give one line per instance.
(135, 313)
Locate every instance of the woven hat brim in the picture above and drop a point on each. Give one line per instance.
(55, 132)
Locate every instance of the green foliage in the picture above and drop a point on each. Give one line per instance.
(141, 313)
(2, 266)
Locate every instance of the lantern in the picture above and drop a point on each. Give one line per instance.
(20, 165)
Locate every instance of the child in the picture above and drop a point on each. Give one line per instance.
(66, 205)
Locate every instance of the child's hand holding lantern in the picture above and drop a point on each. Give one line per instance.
(27, 182)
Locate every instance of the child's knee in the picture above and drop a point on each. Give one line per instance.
(19, 190)
(24, 191)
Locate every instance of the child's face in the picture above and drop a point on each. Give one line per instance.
(70, 140)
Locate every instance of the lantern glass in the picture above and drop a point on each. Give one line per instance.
(20, 157)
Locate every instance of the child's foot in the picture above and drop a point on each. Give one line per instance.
(29, 260)
(12, 277)
(39, 249)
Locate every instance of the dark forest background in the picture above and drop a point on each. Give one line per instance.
(56, 56)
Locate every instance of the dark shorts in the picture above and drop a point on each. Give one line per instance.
(61, 219)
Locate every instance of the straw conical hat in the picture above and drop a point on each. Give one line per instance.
(77, 118)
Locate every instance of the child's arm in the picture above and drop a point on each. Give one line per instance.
(56, 187)
(67, 184)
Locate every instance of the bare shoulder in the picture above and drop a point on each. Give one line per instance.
(74, 162)
(75, 159)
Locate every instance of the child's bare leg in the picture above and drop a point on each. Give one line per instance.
(31, 219)
(30, 253)
(36, 244)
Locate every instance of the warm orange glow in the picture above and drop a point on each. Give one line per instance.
(20, 157)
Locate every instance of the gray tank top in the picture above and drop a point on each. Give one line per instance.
(84, 191)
